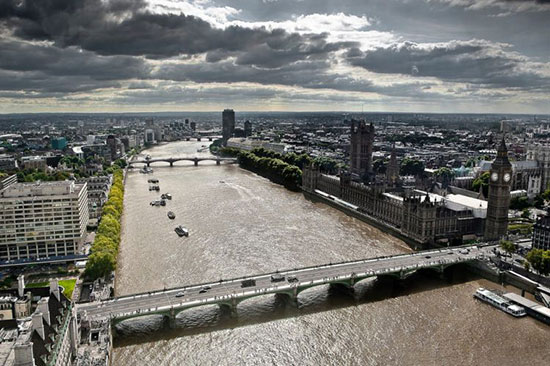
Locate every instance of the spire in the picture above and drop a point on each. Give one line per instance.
(502, 153)
(481, 196)
(502, 147)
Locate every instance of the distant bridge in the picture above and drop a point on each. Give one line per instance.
(171, 161)
(229, 293)
(200, 137)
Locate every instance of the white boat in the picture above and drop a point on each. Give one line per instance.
(499, 302)
(181, 231)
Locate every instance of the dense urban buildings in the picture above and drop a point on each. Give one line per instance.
(47, 336)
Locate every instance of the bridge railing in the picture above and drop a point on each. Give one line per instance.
(285, 287)
(292, 270)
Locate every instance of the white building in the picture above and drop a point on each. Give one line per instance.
(42, 219)
(250, 144)
(98, 192)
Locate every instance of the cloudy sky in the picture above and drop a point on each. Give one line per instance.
(275, 55)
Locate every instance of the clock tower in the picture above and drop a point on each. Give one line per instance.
(496, 223)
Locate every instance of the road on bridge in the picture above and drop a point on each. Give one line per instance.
(227, 289)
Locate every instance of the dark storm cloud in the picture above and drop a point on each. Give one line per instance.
(53, 61)
(476, 62)
(28, 83)
(306, 74)
(122, 27)
(313, 75)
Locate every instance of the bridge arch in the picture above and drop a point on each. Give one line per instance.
(159, 163)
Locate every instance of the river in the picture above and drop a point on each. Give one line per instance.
(241, 224)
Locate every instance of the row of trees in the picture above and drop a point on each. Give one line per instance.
(102, 260)
(274, 169)
(292, 177)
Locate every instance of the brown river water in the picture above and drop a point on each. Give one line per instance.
(242, 224)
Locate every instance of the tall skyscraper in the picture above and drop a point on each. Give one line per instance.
(496, 224)
(362, 140)
(247, 128)
(228, 124)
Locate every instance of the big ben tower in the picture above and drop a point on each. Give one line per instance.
(496, 224)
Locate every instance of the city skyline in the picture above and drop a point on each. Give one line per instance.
(436, 56)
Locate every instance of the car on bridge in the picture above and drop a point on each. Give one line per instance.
(277, 277)
(248, 283)
(292, 279)
(204, 289)
(180, 294)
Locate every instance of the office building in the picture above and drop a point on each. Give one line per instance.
(228, 125)
(58, 143)
(541, 233)
(247, 129)
(42, 219)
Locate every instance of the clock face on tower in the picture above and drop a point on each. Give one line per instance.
(494, 177)
(507, 177)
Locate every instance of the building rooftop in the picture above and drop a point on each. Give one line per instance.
(459, 202)
(41, 189)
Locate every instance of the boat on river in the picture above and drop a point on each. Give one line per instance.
(499, 302)
(181, 231)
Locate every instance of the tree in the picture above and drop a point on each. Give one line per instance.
(483, 182)
(519, 203)
(411, 167)
(326, 164)
(100, 264)
(538, 202)
(508, 246)
(445, 174)
(540, 260)
(525, 213)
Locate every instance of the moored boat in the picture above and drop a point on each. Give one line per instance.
(499, 302)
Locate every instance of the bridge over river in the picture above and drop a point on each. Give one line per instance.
(172, 160)
(228, 293)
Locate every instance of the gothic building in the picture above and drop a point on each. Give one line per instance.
(392, 171)
(362, 140)
(423, 216)
(496, 225)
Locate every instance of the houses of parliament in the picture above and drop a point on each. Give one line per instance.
(425, 213)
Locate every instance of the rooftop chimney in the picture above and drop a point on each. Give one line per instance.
(54, 289)
(21, 285)
(23, 354)
(44, 309)
(38, 324)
